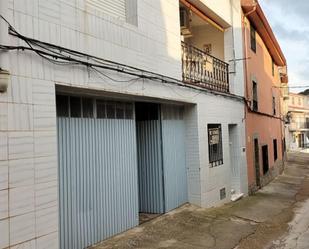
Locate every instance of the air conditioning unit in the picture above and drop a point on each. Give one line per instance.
(185, 23)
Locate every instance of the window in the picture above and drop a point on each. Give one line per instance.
(293, 101)
(215, 145)
(120, 109)
(253, 38)
(254, 96)
(123, 10)
(275, 149)
(274, 106)
(131, 12)
(82, 107)
(101, 112)
(115, 8)
(128, 111)
(299, 101)
(272, 67)
(110, 110)
(87, 105)
(75, 107)
(147, 111)
(62, 106)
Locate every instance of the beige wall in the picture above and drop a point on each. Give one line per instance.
(207, 34)
(221, 7)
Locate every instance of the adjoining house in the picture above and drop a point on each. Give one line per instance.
(266, 77)
(298, 125)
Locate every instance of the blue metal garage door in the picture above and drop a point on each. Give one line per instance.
(97, 170)
(149, 154)
(174, 159)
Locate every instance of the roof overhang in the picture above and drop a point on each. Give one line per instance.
(255, 14)
(205, 13)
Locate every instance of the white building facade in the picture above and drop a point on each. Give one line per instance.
(96, 91)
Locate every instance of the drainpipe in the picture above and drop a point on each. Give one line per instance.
(233, 36)
(246, 52)
(246, 93)
(245, 48)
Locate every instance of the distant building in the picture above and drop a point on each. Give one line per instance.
(298, 115)
(265, 74)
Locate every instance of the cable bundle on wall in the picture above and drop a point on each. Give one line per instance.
(64, 56)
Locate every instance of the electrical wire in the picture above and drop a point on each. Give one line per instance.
(50, 53)
(110, 78)
(65, 57)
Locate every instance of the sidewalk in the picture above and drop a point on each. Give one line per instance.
(259, 221)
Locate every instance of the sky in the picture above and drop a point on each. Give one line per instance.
(289, 20)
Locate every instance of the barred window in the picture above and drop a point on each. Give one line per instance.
(215, 145)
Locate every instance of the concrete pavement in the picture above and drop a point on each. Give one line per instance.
(276, 217)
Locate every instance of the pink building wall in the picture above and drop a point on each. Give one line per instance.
(262, 124)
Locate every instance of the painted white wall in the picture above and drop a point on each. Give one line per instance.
(28, 144)
(220, 7)
(207, 34)
(233, 49)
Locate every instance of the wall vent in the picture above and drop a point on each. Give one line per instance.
(222, 194)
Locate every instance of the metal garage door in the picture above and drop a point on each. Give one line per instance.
(97, 170)
(174, 160)
(161, 157)
(149, 154)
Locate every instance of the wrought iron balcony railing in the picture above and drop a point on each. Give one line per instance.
(204, 70)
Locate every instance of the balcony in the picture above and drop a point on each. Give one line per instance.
(299, 126)
(204, 70)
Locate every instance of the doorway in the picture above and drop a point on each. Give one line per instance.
(162, 173)
(265, 159)
(234, 158)
(257, 162)
(301, 140)
(149, 159)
